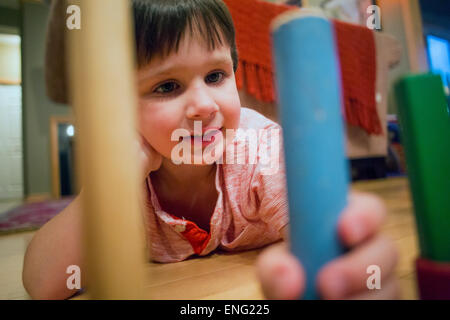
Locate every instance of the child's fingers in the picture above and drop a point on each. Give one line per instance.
(280, 273)
(349, 274)
(362, 218)
(390, 290)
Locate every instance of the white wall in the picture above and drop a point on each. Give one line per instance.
(11, 172)
(10, 58)
(11, 155)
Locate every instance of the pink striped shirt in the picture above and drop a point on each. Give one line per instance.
(250, 211)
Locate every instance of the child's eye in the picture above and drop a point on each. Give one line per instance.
(167, 87)
(214, 77)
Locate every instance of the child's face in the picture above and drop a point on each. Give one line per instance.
(193, 84)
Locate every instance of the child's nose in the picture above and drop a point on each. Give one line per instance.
(201, 104)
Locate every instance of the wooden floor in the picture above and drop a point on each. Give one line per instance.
(232, 276)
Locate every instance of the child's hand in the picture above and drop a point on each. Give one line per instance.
(282, 276)
(150, 158)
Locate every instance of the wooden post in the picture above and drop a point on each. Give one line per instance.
(100, 59)
(417, 53)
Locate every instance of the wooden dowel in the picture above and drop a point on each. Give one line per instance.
(102, 82)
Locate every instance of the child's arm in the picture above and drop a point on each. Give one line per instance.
(53, 248)
(58, 244)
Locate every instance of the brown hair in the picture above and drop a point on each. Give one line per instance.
(161, 24)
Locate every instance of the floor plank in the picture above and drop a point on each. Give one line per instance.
(232, 276)
(12, 249)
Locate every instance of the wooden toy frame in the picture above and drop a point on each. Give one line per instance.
(101, 80)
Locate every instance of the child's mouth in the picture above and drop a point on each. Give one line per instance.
(207, 138)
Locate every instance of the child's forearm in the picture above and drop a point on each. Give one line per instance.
(55, 247)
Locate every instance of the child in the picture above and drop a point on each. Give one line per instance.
(186, 62)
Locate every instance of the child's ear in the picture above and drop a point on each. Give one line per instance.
(55, 54)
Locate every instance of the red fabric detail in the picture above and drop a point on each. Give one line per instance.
(252, 22)
(356, 47)
(197, 237)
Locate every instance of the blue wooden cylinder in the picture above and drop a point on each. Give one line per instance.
(309, 94)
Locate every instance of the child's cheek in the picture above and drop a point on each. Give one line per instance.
(157, 128)
(149, 122)
(151, 116)
(233, 117)
(232, 108)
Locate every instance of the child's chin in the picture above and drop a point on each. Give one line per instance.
(205, 161)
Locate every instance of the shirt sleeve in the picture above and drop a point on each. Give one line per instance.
(269, 179)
